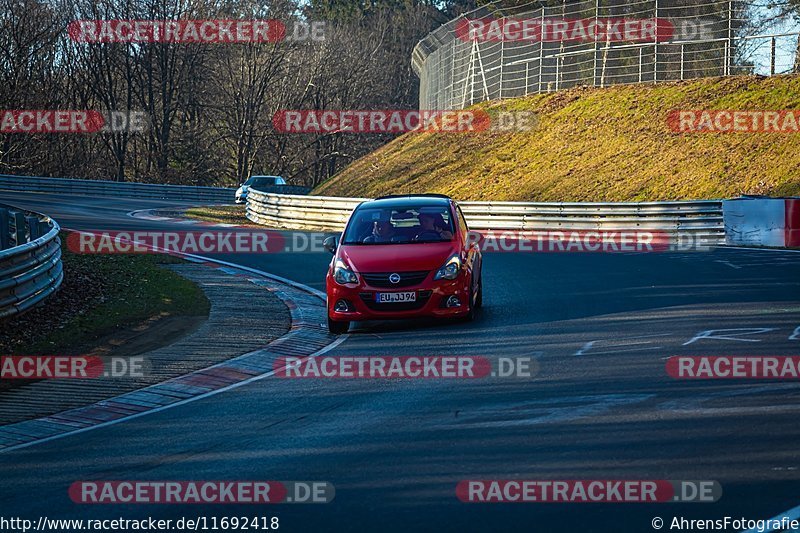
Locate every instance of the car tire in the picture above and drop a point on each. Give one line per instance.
(479, 299)
(338, 328)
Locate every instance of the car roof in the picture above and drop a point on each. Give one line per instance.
(408, 201)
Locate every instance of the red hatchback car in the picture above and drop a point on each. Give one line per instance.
(403, 257)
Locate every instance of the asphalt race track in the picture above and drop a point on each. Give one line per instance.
(600, 407)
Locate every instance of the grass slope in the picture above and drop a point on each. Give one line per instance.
(594, 144)
(220, 214)
(101, 294)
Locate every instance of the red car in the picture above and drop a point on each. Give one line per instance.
(403, 257)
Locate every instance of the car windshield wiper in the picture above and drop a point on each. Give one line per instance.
(370, 243)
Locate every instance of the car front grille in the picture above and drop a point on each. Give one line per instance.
(407, 279)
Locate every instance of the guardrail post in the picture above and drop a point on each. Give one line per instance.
(5, 230)
(33, 228)
(20, 232)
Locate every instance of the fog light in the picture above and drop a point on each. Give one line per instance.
(342, 306)
(453, 301)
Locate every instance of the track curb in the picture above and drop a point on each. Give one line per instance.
(307, 336)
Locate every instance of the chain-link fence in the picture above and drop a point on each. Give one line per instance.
(496, 52)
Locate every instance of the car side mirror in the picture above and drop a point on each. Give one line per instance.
(330, 243)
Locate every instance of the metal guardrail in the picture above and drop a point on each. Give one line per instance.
(30, 259)
(115, 188)
(702, 219)
(327, 213)
(155, 191)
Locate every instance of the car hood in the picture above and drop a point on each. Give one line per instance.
(396, 257)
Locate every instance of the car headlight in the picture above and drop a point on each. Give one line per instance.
(343, 275)
(450, 269)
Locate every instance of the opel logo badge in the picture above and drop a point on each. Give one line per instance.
(394, 278)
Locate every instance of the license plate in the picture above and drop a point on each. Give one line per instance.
(395, 297)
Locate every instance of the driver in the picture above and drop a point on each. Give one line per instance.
(428, 225)
(382, 231)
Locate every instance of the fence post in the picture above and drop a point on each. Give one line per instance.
(772, 58)
(655, 51)
(681, 61)
(5, 229)
(527, 68)
(729, 43)
(641, 58)
(453, 96)
(557, 69)
(471, 79)
(594, 59)
(541, 59)
(502, 62)
(20, 232)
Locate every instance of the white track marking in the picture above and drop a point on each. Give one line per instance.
(758, 249)
(709, 334)
(728, 263)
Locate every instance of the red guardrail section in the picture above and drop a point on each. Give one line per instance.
(792, 234)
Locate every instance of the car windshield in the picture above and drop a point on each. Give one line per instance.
(255, 181)
(399, 225)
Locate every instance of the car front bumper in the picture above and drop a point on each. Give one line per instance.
(431, 298)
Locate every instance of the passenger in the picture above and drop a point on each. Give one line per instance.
(432, 226)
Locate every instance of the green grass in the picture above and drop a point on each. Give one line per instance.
(224, 214)
(102, 294)
(595, 144)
